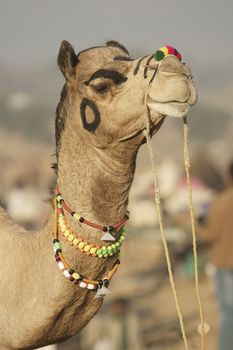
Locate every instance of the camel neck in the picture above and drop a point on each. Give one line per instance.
(96, 182)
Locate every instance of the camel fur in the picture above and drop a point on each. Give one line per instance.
(100, 120)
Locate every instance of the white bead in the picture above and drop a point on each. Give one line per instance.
(90, 286)
(66, 273)
(82, 284)
(61, 265)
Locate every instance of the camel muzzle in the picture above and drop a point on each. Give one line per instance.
(172, 91)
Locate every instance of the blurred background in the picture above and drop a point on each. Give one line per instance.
(141, 308)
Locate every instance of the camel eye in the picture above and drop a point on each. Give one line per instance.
(101, 88)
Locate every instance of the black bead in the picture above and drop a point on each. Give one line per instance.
(127, 215)
(118, 262)
(73, 212)
(106, 283)
(71, 279)
(110, 228)
(81, 219)
(58, 251)
(71, 272)
(100, 284)
(81, 277)
(76, 282)
(105, 229)
(56, 240)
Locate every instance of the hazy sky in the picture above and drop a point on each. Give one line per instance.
(31, 30)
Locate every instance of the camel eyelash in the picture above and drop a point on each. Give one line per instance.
(101, 88)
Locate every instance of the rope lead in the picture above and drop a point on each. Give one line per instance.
(167, 255)
(194, 239)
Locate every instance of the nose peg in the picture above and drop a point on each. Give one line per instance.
(165, 51)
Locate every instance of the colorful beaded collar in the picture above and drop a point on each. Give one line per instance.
(100, 286)
(107, 229)
(85, 246)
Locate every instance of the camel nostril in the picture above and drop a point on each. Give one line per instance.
(171, 64)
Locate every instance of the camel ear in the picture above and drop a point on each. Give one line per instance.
(114, 43)
(67, 59)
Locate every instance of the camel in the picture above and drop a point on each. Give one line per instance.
(100, 119)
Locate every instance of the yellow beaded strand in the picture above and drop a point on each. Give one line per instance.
(86, 247)
(66, 269)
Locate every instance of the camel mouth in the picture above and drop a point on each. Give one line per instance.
(174, 108)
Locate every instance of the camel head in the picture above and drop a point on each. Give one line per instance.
(108, 95)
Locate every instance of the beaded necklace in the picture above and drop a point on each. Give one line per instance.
(107, 229)
(84, 246)
(100, 286)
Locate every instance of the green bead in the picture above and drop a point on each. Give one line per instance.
(117, 244)
(99, 251)
(57, 245)
(159, 55)
(59, 197)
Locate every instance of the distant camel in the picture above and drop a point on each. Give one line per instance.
(99, 128)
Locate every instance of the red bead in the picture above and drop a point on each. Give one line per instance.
(171, 50)
(179, 56)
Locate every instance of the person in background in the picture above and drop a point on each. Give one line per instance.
(217, 229)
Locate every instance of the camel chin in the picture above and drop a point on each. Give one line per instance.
(172, 109)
